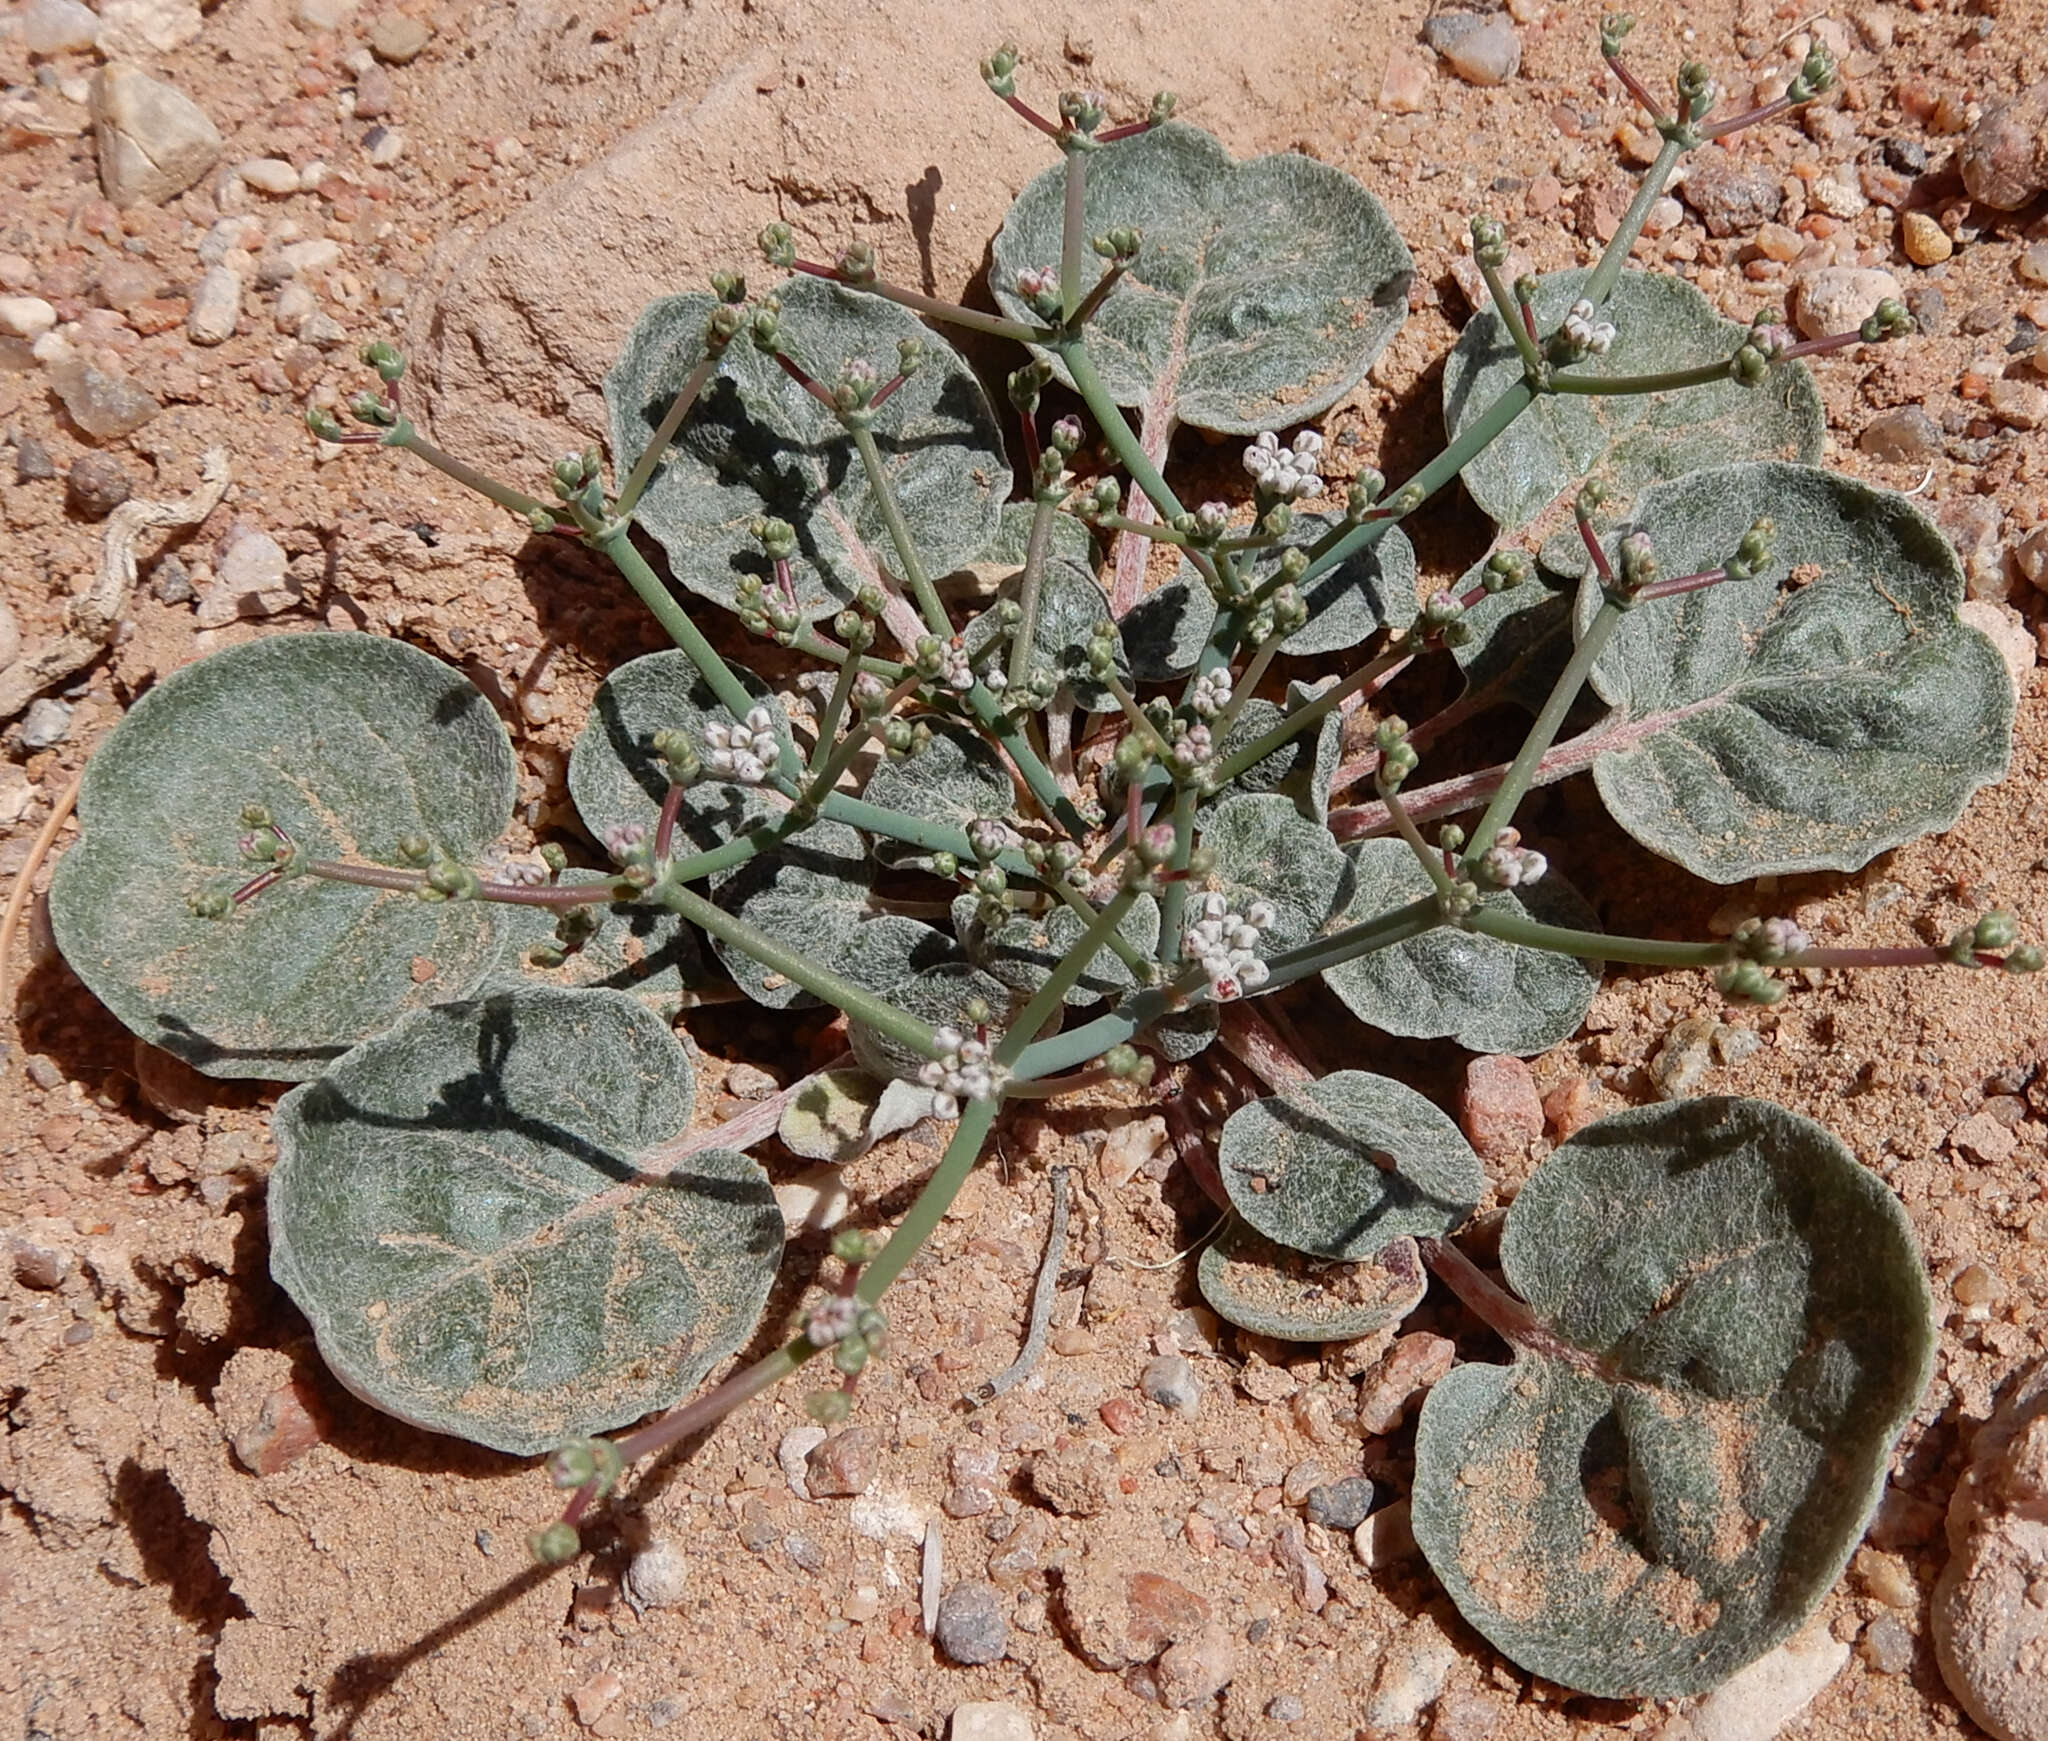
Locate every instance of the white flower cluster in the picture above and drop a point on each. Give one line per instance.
(1192, 748)
(622, 838)
(1227, 945)
(523, 873)
(1289, 473)
(955, 671)
(831, 1320)
(1212, 519)
(741, 752)
(962, 1072)
(991, 836)
(1212, 693)
(1508, 866)
(1587, 333)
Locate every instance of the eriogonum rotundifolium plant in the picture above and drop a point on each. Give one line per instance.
(1123, 826)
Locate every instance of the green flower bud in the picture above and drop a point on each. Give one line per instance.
(729, 286)
(1081, 110)
(1614, 27)
(384, 357)
(1293, 564)
(850, 1355)
(414, 849)
(2024, 958)
(767, 330)
(1201, 862)
(723, 325)
(1998, 929)
(777, 537)
(857, 263)
(945, 865)
(554, 858)
(999, 70)
(1505, 570)
(1451, 837)
(1163, 105)
(1027, 383)
(1365, 490)
(453, 882)
(323, 424)
(828, 1407)
(211, 904)
(778, 246)
(1746, 982)
(1133, 756)
(368, 408)
(911, 355)
(556, 1545)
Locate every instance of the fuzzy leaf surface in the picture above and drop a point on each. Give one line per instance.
(474, 1212)
(1023, 951)
(954, 779)
(1266, 850)
(757, 444)
(1767, 731)
(1263, 293)
(811, 891)
(616, 778)
(1340, 1166)
(352, 742)
(1273, 1291)
(1070, 603)
(1627, 442)
(1753, 1328)
(1521, 640)
(638, 948)
(1302, 769)
(1451, 983)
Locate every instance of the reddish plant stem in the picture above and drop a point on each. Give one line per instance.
(1502, 1313)
(665, 827)
(1635, 88)
(1051, 129)
(796, 372)
(371, 876)
(885, 389)
(1748, 118)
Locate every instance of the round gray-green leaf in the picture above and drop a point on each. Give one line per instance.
(1340, 1166)
(616, 778)
(352, 742)
(638, 947)
(1070, 603)
(811, 891)
(1746, 1328)
(1266, 850)
(954, 779)
(1520, 641)
(475, 1213)
(1451, 983)
(1273, 1291)
(1625, 441)
(1023, 951)
(757, 444)
(1767, 731)
(1263, 293)
(1303, 768)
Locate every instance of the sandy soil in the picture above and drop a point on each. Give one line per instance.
(559, 166)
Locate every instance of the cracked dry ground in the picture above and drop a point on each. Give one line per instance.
(553, 168)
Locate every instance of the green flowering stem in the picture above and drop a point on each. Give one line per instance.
(1173, 898)
(1116, 430)
(838, 757)
(373, 876)
(1125, 951)
(403, 435)
(715, 1404)
(981, 699)
(1512, 927)
(1052, 1087)
(833, 717)
(857, 1001)
(616, 541)
(924, 1215)
(1522, 770)
(1628, 386)
(1368, 679)
(1241, 691)
(931, 307)
(911, 830)
(1029, 585)
(1615, 255)
(1431, 860)
(1050, 998)
(1073, 233)
(651, 456)
(1510, 312)
(1141, 722)
(1151, 529)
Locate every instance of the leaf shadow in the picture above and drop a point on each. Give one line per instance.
(1400, 1195)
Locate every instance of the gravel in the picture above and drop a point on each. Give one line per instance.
(46, 724)
(1170, 1382)
(973, 1628)
(96, 486)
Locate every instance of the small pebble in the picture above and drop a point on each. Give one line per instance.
(1404, 1373)
(383, 146)
(1341, 1504)
(397, 39)
(26, 317)
(57, 27)
(1926, 242)
(216, 307)
(271, 175)
(1499, 1110)
(658, 1576)
(170, 581)
(1732, 198)
(2005, 158)
(105, 407)
(32, 462)
(973, 1627)
(1285, 1708)
(844, 1464)
(1405, 87)
(2018, 404)
(1480, 50)
(2032, 264)
(96, 486)
(376, 93)
(1170, 1381)
(1905, 436)
(154, 141)
(46, 724)
(1887, 1646)
(1461, 1715)
(797, 1444)
(990, 1720)
(325, 14)
(1837, 299)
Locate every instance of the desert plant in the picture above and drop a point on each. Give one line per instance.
(487, 1200)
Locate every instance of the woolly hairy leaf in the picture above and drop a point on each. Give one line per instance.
(1023, 951)
(638, 948)
(1371, 590)
(1264, 291)
(1302, 769)
(1266, 850)
(954, 779)
(1520, 641)
(352, 742)
(1626, 442)
(616, 778)
(1488, 995)
(1070, 603)
(1766, 732)
(1667, 1490)
(475, 1213)
(1272, 1291)
(756, 443)
(827, 1119)
(1340, 1166)
(812, 891)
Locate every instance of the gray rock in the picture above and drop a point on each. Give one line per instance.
(1285, 1708)
(1481, 50)
(1732, 198)
(170, 581)
(105, 407)
(1902, 437)
(973, 1628)
(1839, 298)
(96, 486)
(46, 724)
(1170, 1382)
(154, 141)
(397, 39)
(32, 462)
(1340, 1504)
(216, 307)
(58, 27)
(2005, 158)
(325, 14)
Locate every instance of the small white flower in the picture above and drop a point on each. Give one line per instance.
(1586, 331)
(1212, 693)
(1260, 914)
(831, 1320)
(1512, 867)
(1226, 944)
